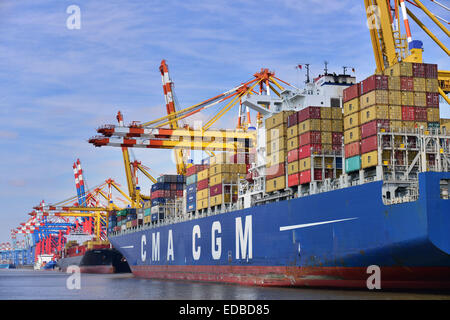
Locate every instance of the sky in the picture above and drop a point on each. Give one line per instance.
(57, 85)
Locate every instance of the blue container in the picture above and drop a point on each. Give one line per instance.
(157, 186)
(154, 217)
(192, 197)
(158, 201)
(180, 186)
(353, 164)
(191, 207)
(166, 186)
(161, 216)
(180, 178)
(192, 188)
(338, 163)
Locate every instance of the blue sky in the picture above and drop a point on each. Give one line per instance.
(58, 85)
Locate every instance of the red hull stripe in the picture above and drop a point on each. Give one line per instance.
(352, 277)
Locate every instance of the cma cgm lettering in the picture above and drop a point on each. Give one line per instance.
(165, 252)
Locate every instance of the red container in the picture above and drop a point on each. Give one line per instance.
(202, 184)
(173, 186)
(337, 147)
(433, 99)
(375, 82)
(371, 128)
(328, 173)
(408, 113)
(305, 176)
(431, 70)
(369, 144)
(305, 151)
(420, 114)
(195, 168)
(336, 138)
(309, 113)
(134, 223)
(407, 83)
(418, 70)
(292, 155)
(293, 179)
(292, 120)
(157, 194)
(352, 149)
(275, 171)
(215, 190)
(310, 137)
(351, 92)
(179, 193)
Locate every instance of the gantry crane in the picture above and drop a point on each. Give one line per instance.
(391, 47)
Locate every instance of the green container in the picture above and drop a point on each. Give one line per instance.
(352, 164)
(147, 212)
(122, 213)
(434, 125)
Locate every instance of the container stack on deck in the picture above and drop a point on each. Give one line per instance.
(406, 96)
(191, 186)
(164, 192)
(202, 188)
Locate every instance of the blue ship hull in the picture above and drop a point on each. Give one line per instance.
(328, 239)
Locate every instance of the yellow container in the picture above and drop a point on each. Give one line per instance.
(351, 106)
(337, 125)
(293, 167)
(202, 204)
(326, 147)
(401, 69)
(432, 85)
(395, 124)
(420, 99)
(369, 159)
(202, 175)
(377, 112)
(223, 178)
(395, 113)
(351, 121)
(202, 194)
(309, 125)
(292, 131)
(408, 124)
(325, 125)
(395, 97)
(276, 132)
(276, 145)
(218, 200)
(129, 225)
(420, 85)
(374, 97)
(305, 164)
(221, 168)
(325, 113)
(326, 137)
(278, 119)
(394, 83)
(351, 135)
(276, 158)
(292, 143)
(336, 113)
(276, 184)
(433, 115)
(407, 98)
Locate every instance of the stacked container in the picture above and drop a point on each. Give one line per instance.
(276, 150)
(202, 188)
(168, 188)
(112, 221)
(191, 186)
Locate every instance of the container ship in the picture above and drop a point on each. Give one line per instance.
(341, 176)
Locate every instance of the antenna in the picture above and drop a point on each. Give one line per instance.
(307, 71)
(326, 67)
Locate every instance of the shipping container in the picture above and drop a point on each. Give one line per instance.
(276, 158)
(395, 97)
(432, 99)
(433, 115)
(192, 179)
(309, 149)
(222, 198)
(227, 168)
(292, 168)
(352, 149)
(352, 164)
(394, 83)
(420, 99)
(276, 145)
(401, 69)
(276, 184)
(351, 121)
(375, 97)
(407, 98)
(309, 113)
(202, 184)
(305, 176)
(293, 180)
(292, 131)
(336, 138)
(292, 143)
(352, 135)
(371, 128)
(191, 188)
(215, 190)
(277, 119)
(306, 163)
(431, 70)
(408, 124)
(369, 144)
(395, 123)
(275, 171)
(336, 113)
(327, 138)
(433, 125)
(276, 132)
(202, 204)
(351, 106)
(191, 197)
(337, 125)
(420, 114)
(406, 84)
(408, 113)
(325, 125)
(310, 137)
(351, 92)
(374, 82)
(432, 85)
(292, 155)
(292, 120)
(202, 194)
(418, 70)
(223, 178)
(395, 112)
(309, 125)
(369, 159)
(325, 113)
(420, 85)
